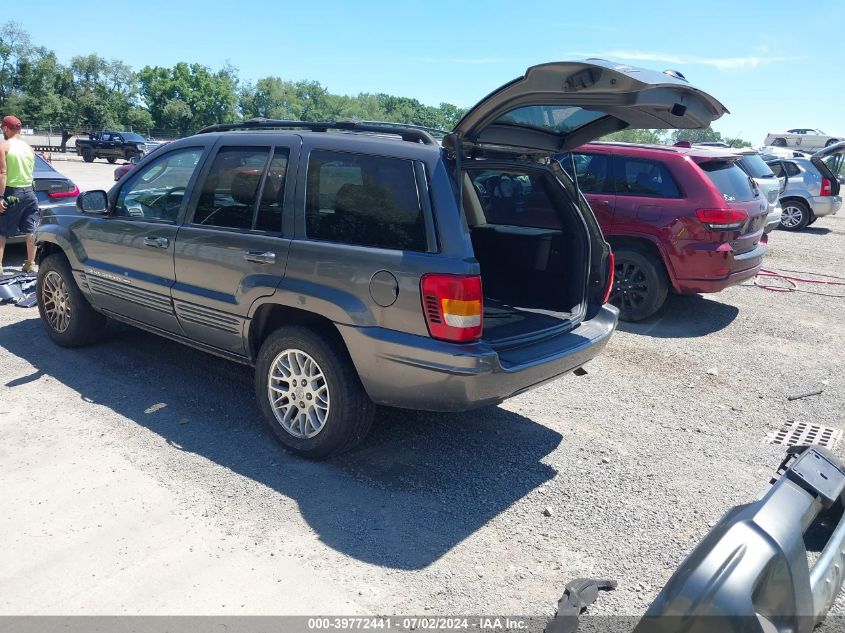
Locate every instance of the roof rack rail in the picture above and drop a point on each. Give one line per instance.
(414, 134)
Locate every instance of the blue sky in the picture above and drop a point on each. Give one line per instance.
(774, 64)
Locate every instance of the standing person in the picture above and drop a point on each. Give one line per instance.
(18, 204)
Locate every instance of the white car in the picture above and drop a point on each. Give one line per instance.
(802, 138)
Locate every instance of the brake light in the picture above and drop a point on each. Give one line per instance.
(453, 306)
(611, 262)
(722, 219)
(64, 194)
(827, 188)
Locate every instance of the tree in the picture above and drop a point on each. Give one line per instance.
(653, 137)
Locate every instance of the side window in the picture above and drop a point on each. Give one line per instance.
(269, 216)
(792, 169)
(230, 193)
(366, 200)
(117, 139)
(515, 198)
(593, 171)
(156, 191)
(105, 137)
(648, 178)
(777, 169)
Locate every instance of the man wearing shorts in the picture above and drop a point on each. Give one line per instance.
(18, 204)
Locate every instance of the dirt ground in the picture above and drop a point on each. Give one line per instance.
(137, 477)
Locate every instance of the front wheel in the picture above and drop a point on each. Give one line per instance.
(112, 160)
(87, 155)
(310, 394)
(795, 215)
(832, 141)
(779, 142)
(67, 317)
(640, 284)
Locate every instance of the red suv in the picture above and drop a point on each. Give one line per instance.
(689, 219)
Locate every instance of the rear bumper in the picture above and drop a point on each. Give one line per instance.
(825, 205)
(773, 219)
(741, 267)
(753, 564)
(417, 372)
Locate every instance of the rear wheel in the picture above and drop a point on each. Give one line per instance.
(779, 142)
(795, 215)
(310, 394)
(640, 284)
(87, 155)
(66, 315)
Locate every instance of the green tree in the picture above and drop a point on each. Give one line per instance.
(654, 137)
(209, 97)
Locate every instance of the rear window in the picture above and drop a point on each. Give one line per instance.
(515, 198)
(733, 183)
(756, 166)
(364, 200)
(555, 119)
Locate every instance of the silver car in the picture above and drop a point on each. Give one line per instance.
(812, 188)
(802, 138)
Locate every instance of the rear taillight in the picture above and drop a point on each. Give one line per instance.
(64, 194)
(722, 219)
(453, 306)
(611, 263)
(827, 188)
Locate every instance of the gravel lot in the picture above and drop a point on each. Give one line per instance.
(138, 478)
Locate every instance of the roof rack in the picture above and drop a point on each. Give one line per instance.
(412, 133)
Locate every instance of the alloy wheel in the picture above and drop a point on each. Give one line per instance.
(56, 300)
(299, 393)
(791, 216)
(630, 288)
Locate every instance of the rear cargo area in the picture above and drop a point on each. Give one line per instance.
(532, 251)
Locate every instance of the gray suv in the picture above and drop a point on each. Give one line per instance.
(357, 264)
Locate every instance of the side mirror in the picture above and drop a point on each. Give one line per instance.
(96, 202)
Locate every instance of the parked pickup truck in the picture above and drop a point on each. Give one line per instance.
(361, 264)
(111, 146)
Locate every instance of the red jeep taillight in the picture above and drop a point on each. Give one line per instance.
(64, 194)
(453, 306)
(827, 188)
(722, 219)
(611, 262)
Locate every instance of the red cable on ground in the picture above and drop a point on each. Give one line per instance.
(791, 280)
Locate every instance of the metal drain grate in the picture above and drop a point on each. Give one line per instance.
(796, 433)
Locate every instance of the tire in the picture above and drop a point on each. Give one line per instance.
(348, 412)
(832, 141)
(779, 142)
(127, 155)
(795, 215)
(640, 284)
(813, 218)
(87, 155)
(112, 160)
(81, 324)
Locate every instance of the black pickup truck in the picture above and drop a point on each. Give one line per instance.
(111, 146)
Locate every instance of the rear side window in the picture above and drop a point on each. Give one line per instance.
(647, 178)
(515, 198)
(777, 169)
(756, 166)
(733, 183)
(365, 200)
(792, 169)
(593, 171)
(235, 195)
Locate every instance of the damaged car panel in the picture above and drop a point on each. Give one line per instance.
(751, 573)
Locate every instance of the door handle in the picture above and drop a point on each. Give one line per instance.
(259, 257)
(156, 242)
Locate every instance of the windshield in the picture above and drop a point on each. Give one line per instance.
(756, 166)
(733, 183)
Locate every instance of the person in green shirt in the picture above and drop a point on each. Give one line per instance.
(18, 204)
